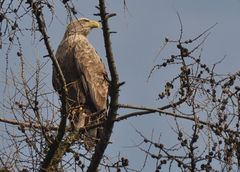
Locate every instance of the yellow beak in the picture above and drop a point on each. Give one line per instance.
(94, 24)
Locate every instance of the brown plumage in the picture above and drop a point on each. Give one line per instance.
(85, 77)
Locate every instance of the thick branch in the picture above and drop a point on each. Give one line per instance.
(37, 11)
(114, 93)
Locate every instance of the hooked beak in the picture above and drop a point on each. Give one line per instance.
(94, 24)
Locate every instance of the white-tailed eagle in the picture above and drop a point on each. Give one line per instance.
(85, 76)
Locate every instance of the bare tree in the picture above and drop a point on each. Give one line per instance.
(34, 125)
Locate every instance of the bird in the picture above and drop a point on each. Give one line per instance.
(86, 79)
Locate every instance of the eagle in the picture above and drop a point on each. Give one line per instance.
(86, 79)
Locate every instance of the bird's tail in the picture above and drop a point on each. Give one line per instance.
(92, 136)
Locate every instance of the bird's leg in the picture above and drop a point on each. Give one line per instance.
(76, 117)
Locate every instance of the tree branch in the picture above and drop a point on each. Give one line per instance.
(146, 110)
(37, 11)
(114, 93)
(27, 124)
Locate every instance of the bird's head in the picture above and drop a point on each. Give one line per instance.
(81, 26)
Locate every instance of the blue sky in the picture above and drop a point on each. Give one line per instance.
(141, 30)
